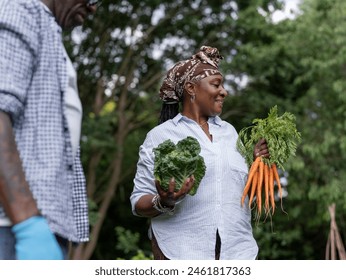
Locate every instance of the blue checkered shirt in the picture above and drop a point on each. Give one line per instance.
(33, 81)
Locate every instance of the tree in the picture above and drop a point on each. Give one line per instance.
(300, 65)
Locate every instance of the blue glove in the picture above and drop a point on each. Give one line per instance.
(35, 241)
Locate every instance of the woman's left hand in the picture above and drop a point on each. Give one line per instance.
(261, 149)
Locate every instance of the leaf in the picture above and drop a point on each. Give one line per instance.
(180, 161)
(280, 133)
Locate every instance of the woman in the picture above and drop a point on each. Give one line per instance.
(211, 224)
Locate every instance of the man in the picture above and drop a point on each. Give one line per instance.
(43, 204)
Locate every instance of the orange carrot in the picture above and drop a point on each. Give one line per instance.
(253, 187)
(259, 187)
(271, 189)
(266, 188)
(277, 179)
(251, 174)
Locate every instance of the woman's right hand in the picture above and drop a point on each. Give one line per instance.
(166, 199)
(169, 198)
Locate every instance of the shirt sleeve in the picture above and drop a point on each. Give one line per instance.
(18, 42)
(144, 181)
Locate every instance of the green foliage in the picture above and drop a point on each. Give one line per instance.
(280, 133)
(141, 256)
(180, 162)
(300, 65)
(128, 243)
(93, 214)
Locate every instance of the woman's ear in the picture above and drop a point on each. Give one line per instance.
(190, 88)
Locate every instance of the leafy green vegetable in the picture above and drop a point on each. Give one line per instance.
(179, 161)
(280, 133)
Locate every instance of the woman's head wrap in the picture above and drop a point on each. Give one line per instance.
(201, 65)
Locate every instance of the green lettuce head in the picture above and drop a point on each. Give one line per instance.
(180, 161)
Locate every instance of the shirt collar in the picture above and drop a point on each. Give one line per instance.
(47, 10)
(215, 120)
(50, 13)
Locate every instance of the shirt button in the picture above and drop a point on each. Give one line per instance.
(70, 167)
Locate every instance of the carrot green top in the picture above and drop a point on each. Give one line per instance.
(280, 133)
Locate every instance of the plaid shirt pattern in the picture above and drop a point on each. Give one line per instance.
(33, 80)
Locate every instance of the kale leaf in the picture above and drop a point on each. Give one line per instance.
(179, 161)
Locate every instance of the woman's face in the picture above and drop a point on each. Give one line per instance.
(210, 95)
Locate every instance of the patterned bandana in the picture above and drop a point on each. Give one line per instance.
(201, 65)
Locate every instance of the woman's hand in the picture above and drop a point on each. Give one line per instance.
(261, 149)
(169, 198)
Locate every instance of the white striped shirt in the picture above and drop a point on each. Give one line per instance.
(190, 232)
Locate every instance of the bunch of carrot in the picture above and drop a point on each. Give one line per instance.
(282, 138)
(260, 184)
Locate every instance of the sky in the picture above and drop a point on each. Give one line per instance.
(291, 7)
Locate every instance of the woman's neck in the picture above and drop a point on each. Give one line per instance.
(201, 121)
(195, 115)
